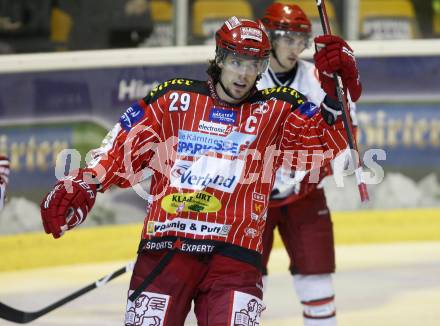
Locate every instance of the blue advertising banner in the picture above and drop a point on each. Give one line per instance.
(409, 133)
(394, 78)
(104, 93)
(32, 152)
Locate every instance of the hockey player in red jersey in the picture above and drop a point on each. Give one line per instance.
(212, 146)
(4, 178)
(300, 211)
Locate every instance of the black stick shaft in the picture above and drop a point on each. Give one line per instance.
(345, 112)
(23, 317)
(323, 17)
(341, 97)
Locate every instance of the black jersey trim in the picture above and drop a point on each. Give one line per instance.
(177, 84)
(274, 78)
(202, 247)
(283, 93)
(292, 74)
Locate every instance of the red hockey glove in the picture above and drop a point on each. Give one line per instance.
(4, 178)
(68, 204)
(334, 55)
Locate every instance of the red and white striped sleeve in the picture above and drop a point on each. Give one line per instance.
(309, 140)
(127, 149)
(4, 169)
(4, 177)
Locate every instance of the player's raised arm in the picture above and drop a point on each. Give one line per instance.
(316, 134)
(124, 152)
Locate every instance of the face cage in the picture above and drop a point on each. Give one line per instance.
(278, 33)
(221, 54)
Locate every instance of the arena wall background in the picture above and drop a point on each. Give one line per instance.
(53, 101)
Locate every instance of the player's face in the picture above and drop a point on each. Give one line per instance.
(288, 47)
(239, 74)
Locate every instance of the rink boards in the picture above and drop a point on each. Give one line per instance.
(119, 242)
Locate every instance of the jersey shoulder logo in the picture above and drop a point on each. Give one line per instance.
(222, 115)
(132, 116)
(283, 93)
(172, 84)
(308, 109)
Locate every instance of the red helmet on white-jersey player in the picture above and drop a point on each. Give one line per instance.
(289, 30)
(286, 17)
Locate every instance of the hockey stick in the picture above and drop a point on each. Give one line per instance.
(363, 192)
(23, 317)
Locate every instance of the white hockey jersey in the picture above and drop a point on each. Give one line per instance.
(306, 81)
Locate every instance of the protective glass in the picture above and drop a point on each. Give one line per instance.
(290, 39)
(245, 64)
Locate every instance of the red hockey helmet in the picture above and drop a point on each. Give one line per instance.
(286, 17)
(243, 37)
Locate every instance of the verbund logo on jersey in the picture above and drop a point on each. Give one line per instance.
(133, 115)
(196, 143)
(223, 116)
(194, 175)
